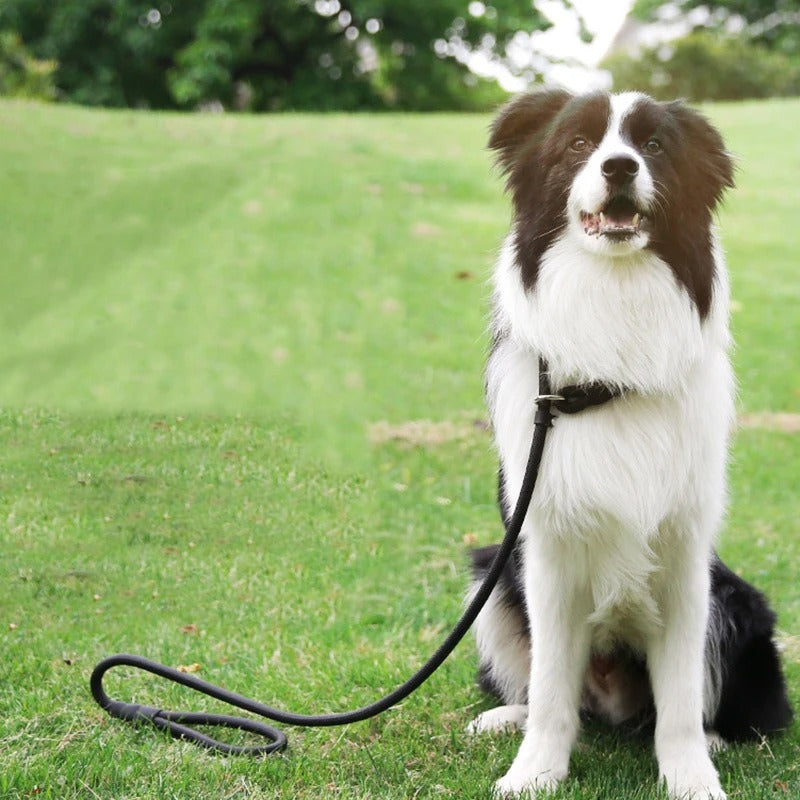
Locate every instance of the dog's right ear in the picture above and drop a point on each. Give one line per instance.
(522, 120)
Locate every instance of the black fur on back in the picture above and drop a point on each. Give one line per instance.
(753, 701)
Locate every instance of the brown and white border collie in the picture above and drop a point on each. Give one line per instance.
(614, 602)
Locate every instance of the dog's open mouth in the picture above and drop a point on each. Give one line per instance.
(618, 219)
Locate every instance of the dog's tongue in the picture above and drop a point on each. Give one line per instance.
(618, 218)
(612, 221)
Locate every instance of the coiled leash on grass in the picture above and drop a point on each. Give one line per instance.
(570, 400)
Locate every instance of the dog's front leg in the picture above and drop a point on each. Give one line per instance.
(675, 658)
(559, 652)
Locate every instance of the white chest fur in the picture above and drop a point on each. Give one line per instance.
(618, 480)
(623, 320)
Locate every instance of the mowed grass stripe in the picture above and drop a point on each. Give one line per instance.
(249, 263)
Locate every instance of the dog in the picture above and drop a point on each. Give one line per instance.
(614, 602)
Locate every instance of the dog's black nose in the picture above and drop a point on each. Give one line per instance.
(620, 169)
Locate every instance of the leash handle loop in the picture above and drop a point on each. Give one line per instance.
(177, 723)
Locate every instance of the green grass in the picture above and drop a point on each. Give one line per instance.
(200, 317)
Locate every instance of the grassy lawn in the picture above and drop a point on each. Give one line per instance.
(214, 332)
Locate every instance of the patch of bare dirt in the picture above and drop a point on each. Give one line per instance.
(422, 229)
(782, 421)
(789, 645)
(424, 432)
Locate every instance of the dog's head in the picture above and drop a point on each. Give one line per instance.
(615, 173)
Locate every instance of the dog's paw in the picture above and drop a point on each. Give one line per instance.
(696, 791)
(697, 781)
(716, 744)
(499, 720)
(527, 782)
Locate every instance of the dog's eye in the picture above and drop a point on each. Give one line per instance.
(652, 146)
(579, 144)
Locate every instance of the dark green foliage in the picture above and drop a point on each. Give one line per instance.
(708, 66)
(107, 52)
(268, 56)
(255, 55)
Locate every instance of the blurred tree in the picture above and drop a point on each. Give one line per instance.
(321, 54)
(707, 66)
(775, 24)
(109, 52)
(282, 54)
(737, 49)
(21, 75)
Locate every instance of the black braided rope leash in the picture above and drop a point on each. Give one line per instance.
(570, 400)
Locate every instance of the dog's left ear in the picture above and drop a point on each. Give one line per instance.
(714, 163)
(522, 121)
